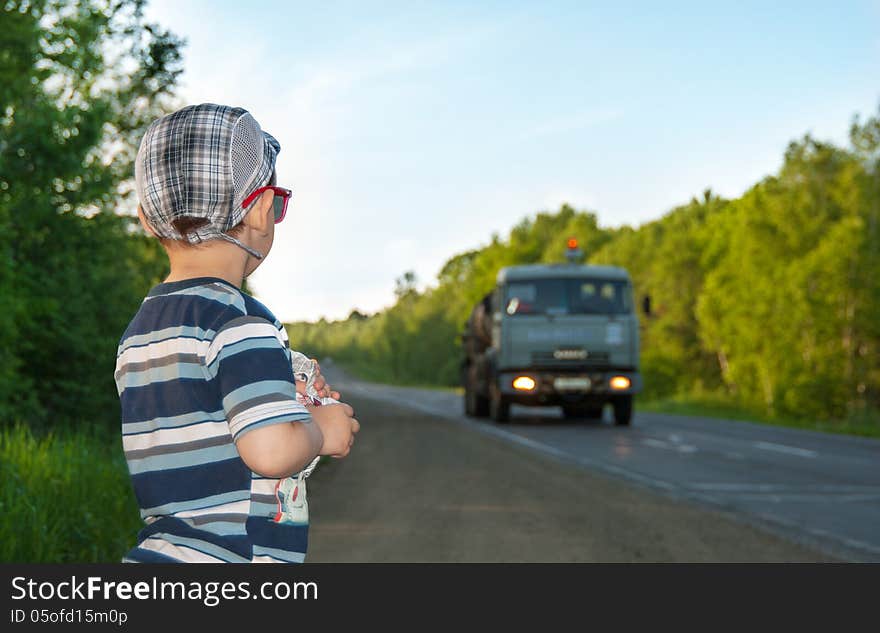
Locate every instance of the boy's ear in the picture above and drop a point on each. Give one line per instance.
(144, 223)
(261, 214)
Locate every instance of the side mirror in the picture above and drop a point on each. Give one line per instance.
(646, 305)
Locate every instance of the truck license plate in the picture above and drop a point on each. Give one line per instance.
(571, 384)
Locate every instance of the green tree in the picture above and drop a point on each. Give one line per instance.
(787, 303)
(81, 82)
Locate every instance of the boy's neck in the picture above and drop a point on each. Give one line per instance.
(227, 262)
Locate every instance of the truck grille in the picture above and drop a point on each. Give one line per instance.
(550, 359)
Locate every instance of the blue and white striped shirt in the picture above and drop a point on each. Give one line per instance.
(201, 364)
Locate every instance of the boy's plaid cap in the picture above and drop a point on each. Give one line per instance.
(202, 161)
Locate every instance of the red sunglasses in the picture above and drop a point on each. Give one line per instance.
(279, 202)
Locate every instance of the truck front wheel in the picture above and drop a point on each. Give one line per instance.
(623, 410)
(475, 404)
(499, 408)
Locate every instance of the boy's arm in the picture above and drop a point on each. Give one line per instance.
(274, 451)
(280, 450)
(273, 433)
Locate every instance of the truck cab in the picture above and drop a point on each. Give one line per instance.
(556, 334)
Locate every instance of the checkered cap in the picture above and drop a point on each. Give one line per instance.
(202, 161)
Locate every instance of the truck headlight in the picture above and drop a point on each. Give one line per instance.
(524, 383)
(620, 382)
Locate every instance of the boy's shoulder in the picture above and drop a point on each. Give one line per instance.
(198, 308)
(254, 307)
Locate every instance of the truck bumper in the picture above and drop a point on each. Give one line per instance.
(569, 387)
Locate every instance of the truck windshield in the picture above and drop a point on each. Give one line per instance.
(567, 296)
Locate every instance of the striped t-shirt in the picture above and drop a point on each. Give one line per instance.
(201, 364)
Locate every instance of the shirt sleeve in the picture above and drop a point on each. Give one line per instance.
(250, 362)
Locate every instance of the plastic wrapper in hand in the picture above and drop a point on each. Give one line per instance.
(304, 368)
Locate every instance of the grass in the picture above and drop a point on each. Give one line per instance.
(867, 425)
(64, 497)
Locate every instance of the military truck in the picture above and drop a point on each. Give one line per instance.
(555, 334)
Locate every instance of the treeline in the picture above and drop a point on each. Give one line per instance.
(770, 302)
(81, 80)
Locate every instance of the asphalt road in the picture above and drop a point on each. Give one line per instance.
(425, 483)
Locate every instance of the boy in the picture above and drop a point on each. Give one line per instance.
(211, 424)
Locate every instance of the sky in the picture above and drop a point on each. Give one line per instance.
(413, 131)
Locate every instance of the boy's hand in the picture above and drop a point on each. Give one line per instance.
(338, 426)
(321, 386)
